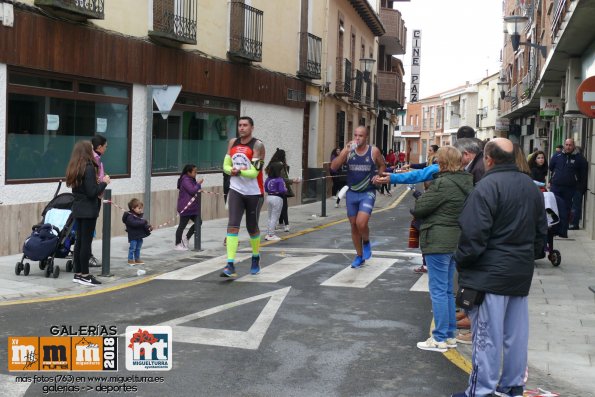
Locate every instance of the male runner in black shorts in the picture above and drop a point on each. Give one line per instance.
(243, 162)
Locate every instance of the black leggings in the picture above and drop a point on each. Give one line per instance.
(284, 218)
(183, 223)
(238, 204)
(82, 247)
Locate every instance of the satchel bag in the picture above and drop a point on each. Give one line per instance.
(468, 298)
(275, 186)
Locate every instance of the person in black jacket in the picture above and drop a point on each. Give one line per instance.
(137, 229)
(503, 229)
(82, 177)
(538, 166)
(568, 175)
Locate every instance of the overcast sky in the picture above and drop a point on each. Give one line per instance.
(461, 41)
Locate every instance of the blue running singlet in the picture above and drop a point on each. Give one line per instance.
(360, 170)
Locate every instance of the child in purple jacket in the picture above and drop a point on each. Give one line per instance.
(188, 204)
(137, 228)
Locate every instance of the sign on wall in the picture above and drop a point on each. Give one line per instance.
(415, 66)
(549, 106)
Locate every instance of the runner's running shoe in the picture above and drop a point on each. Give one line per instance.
(255, 268)
(229, 271)
(357, 262)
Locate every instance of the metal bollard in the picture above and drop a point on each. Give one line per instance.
(323, 209)
(198, 225)
(106, 237)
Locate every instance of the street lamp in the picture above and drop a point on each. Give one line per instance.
(366, 65)
(514, 24)
(502, 86)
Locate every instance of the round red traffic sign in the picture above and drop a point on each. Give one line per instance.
(585, 97)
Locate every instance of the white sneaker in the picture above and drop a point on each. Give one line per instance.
(451, 343)
(336, 205)
(185, 242)
(272, 237)
(433, 345)
(180, 247)
(286, 228)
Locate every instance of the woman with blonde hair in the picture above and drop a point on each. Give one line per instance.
(82, 177)
(438, 210)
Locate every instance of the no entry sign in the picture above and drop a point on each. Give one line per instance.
(585, 97)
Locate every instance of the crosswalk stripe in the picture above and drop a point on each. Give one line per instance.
(421, 285)
(282, 269)
(360, 278)
(200, 269)
(391, 254)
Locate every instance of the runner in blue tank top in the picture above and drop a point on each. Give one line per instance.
(364, 164)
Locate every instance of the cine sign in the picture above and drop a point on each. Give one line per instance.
(415, 66)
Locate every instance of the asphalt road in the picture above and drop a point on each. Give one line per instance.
(311, 327)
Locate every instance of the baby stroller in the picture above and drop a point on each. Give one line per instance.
(52, 238)
(557, 222)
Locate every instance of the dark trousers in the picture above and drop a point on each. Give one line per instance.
(82, 247)
(180, 230)
(284, 218)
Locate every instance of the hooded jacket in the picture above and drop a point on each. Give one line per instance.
(188, 187)
(136, 226)
(438, 210)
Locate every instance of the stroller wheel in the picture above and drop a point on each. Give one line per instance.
(27, 269)
(56, 271)
(69, 265)
(555, 257)
(17, 268)
(42, 264)
(49, 268)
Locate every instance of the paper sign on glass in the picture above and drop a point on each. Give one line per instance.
(101, 125)
(53, 122)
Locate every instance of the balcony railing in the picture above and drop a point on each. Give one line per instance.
(368, 96)
(559, 13)
(174, 22)
(310, 55)
(343, 83)
(246, 32)
(357, 92)
(396, 33)
(78, 10)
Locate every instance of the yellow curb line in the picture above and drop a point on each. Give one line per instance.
(82, 294)
(454, 356)
(149, 278)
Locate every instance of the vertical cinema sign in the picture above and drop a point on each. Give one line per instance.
(415, 66)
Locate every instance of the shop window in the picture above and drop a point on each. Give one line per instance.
(47, 116)
(192, 137)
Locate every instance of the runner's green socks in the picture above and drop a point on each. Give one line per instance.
(232, 246)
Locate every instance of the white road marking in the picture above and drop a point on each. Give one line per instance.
(200, 269)
(311, 250)
(421, 285)
(282, 269)
(230, 338)
(10, 387)
(360, 278)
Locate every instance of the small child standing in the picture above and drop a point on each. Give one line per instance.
(137, 228)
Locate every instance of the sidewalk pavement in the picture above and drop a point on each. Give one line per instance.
(561, 306)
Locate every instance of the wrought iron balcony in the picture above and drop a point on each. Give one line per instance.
(343, 83)
(174, 22)
(246, 33)
(76, 10)
(357, 92)
(310, 55)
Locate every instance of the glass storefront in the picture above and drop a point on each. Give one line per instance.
(48, 115)
(196, 132)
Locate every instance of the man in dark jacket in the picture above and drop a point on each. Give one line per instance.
(503, 228)
(472, 161)
(569, 175)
